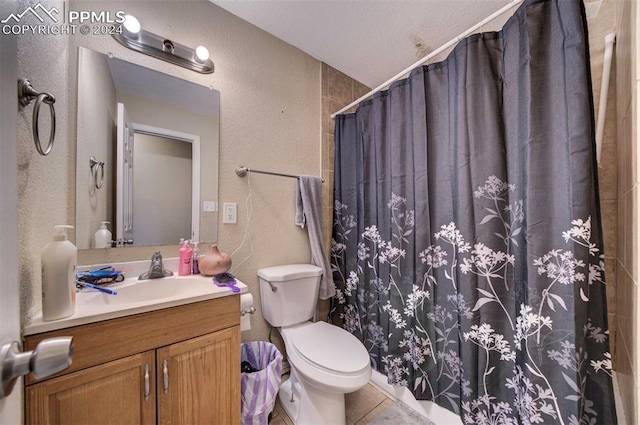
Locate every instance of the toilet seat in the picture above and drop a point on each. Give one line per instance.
(330, 348)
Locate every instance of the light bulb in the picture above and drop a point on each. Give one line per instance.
(202, 53)
(131, 24)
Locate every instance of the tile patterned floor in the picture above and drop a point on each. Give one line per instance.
(364, 405)
(361, 407)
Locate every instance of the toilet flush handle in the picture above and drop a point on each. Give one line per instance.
(273, 287)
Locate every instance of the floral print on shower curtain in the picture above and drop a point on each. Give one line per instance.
(466, 249)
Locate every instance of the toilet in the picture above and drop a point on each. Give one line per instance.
(326, 361)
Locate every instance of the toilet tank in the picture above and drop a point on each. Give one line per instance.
(289, 293)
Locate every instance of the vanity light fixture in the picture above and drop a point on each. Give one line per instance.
(135, 38)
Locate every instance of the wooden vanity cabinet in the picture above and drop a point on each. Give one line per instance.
(101, 395)
(189, 375)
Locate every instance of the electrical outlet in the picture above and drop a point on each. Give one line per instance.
(230, 211)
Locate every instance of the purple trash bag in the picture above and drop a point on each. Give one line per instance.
(260, 389)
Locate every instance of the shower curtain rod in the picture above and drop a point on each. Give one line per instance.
(242, 171)
(440, 49)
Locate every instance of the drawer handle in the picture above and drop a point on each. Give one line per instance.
(146, 382)
(165, 377)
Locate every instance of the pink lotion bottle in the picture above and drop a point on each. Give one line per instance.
(186, 256)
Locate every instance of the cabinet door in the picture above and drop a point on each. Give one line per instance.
(199, 380)
(118, 392)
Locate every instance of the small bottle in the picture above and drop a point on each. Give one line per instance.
(195, 269)
(59, 260)
(186, 256)
(102, 237)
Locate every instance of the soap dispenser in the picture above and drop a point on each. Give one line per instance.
(59, 260)
(102, 237)
(195, 259)
(185, 258)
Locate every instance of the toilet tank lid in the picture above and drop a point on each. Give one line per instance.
(289, 272)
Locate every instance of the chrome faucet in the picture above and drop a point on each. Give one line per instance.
(156, 269)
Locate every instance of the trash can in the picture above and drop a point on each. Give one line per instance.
(261, 372)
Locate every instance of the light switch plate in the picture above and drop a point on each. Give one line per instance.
(209, 206)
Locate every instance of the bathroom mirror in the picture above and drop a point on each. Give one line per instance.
(154, 143)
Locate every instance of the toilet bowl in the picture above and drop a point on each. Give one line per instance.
(326, 361)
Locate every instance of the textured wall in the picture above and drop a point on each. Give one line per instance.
(627, 279)
(46, 190)
(270, 119)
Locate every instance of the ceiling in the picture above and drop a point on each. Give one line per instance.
(369, 40)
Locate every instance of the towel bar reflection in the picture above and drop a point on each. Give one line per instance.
(26, 94)
(242, 171)
(95, 165)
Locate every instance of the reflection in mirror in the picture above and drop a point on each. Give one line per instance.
(163, 171)
(154, 156)
(158, 136)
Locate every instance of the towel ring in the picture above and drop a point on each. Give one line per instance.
(95, 165)
(26, 94)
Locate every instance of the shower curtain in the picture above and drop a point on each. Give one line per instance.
(467, 247)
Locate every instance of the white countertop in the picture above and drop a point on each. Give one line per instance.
(93, 306)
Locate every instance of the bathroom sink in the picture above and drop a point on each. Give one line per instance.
(144, 291)
(135, 296)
